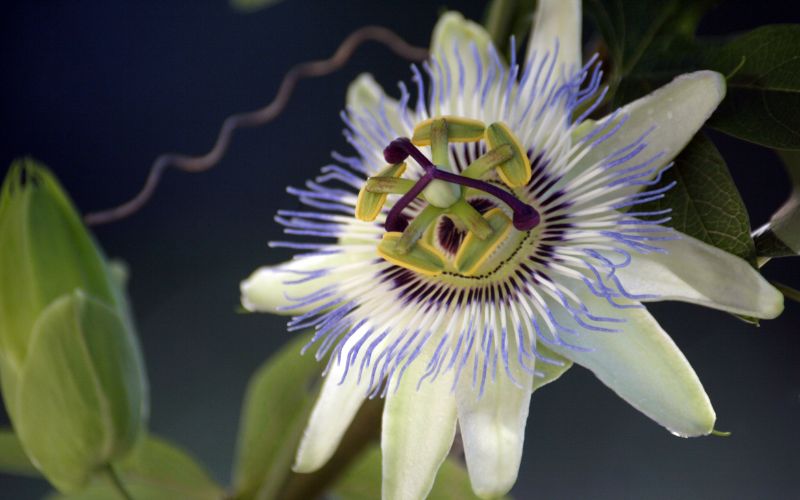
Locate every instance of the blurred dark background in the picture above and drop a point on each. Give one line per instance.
(97, 89)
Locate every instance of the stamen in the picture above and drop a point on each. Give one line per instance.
(525, 216)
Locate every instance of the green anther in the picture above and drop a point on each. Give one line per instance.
(458, 130)
(422, 258)
(417, 228)
(440, 149)
(515, 172)
(388, 185)
(488, 161)
(474, 253)
(370, 203)
(471, 218)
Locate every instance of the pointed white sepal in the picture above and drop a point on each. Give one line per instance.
(377, 117)
(547, 372)
(278, 289)
(417, 432)
(336, 406)
(642, 364)
(454, 45)
(696, 272)
(493, 429)
(672, 114)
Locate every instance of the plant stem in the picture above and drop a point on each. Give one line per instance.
(498, 21)
(116, 480)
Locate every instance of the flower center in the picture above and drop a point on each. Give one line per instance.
(478, 239)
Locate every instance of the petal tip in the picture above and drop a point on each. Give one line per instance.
(363, 92)
(773, 304)
(255, 290)
(712, 82)
(453, 27)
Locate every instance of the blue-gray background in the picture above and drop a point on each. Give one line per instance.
(97, 89)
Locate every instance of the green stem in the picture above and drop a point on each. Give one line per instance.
(498, 19)
(116, 480)
(787, 291)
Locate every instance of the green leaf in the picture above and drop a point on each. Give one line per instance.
(81, 401)
(12, 457)
(780, 237)
(705, 202)
(362, 480)
(154, 470)
(763, 86)
(276, 408)
(248, 6)
(637, 31)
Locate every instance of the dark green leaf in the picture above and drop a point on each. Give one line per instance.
(277, 404)
(362, 481)
(12, 457)
(252, 5)
(154, 470)
(705, 202)
(637, 31)
(769, 245)
(763, 86)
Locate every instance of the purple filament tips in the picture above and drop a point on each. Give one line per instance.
(400, 149)
(526, 219)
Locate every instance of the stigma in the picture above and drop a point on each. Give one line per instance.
(476, 205)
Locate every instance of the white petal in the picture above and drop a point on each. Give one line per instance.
(643, 366)
(493, 430)
(675, 111)
(334, 410)
(416, 435)
(272, 288)
(365, 95)
(452, 31)
(557, 20)
(549, 372)
(699, 273)
(455, 44)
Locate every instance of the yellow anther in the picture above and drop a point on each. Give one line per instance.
(515, 172)
(369, 204)
(458, 130)
(422, 258)
(474, 252)
(440, 147)
(488, 161)
(388, 185)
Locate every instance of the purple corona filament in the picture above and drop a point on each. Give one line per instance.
(525, 216)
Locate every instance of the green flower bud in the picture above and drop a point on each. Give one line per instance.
(72, 375)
